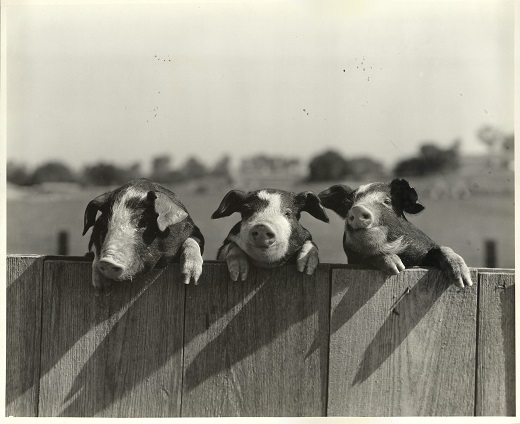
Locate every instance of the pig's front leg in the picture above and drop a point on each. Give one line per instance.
(308, 258)
(236, 260)
(191, 261)
(390, 263)
(451, 265)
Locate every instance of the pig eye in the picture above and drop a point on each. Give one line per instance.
(388, 201)
(142, 222)
(288, 213)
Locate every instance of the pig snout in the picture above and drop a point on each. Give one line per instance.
(360, 217)
(262, 236)
(110, 267)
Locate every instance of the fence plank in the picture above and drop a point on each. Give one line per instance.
(117, 355)
(413, 358)
(257, 348)
(23, 334)
(496, 345)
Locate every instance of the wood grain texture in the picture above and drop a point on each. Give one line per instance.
(398, 354)
(496, 345)
(116, 355)
(259, 347)
(23, 334)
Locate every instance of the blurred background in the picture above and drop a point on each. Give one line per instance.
(208, 96)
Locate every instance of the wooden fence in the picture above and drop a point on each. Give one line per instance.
(342, 342)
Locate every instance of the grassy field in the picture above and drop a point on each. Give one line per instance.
(33, 222)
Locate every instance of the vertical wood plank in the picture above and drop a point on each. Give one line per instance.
(259, 347)
(496, 345)
(23, 334)
(398, 354)
(116, 355)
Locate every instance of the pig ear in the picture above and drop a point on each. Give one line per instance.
(92, 209)
(230, 204)
(404, 196)
(310, 202)
(168, 211)
(338, 198)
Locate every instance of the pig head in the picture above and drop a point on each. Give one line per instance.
(269, 233)
(142, 225)
(377, 232)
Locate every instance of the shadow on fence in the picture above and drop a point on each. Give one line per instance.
(280, 344)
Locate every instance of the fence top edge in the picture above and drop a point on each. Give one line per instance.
(334, 266)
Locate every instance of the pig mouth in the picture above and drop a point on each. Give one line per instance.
(358, 230)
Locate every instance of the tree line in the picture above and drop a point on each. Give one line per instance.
(327, 166)
(104, 173)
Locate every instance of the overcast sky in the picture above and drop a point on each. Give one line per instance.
(124, 82)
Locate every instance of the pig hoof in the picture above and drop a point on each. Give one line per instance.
(237, 264)
(455, 269)
(390, 264)
(191, 262)
(308, 258)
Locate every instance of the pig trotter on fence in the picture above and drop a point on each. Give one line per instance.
(191, 261)
(236, 260)
(390, 264)
(451, 265)
(308, 258)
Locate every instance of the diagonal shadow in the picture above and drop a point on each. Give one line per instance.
(355, 296)
(149, 339)
(22, 327)
(243, 335)
(397, 327)
(140, 341)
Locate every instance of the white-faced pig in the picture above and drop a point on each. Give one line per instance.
(269, 233)
(377, 232)
(142, 225)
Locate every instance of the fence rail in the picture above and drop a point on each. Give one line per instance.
(343, 342)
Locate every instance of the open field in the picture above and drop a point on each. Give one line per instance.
(33, 222)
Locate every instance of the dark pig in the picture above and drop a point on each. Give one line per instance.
(269, 233)
(142, 225)
(377, 232)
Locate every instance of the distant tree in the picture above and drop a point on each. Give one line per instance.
(161, 171)
(508, 145)
(17, 173)
(193, 169)
(104, 174)
(329, 165)
(222, 169)
(431, 160)
(363, 166)
(52, 172)
(492, 137)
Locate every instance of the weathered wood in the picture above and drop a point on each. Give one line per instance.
(257, 348)
(117, 355)
(496, 345)
(401, 345)
(23, 334)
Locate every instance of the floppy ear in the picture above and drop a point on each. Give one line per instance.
(168, 211)
(92, 209)
(230, 204)
(404, 197)
(338, 198)
(310, 202)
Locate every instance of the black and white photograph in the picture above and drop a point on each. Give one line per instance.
(281, 208)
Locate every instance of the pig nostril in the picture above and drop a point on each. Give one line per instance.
(270, 235)
(366, 216)
(255, 233)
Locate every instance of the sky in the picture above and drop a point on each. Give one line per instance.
(126, 81)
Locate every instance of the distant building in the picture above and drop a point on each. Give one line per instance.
(267, 171)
